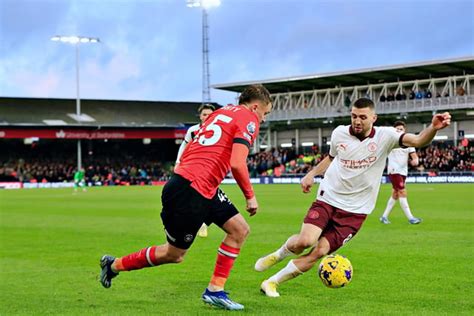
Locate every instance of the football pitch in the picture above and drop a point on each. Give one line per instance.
(52, 240)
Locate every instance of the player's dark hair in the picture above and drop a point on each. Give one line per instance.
(255, 92)
(400, 123)
(206, 106)
(363, 103)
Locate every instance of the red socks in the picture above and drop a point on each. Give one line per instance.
(138, 260)
(225, 261)
(146, 258)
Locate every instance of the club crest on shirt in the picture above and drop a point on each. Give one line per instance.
(251, 128)
(372, 147)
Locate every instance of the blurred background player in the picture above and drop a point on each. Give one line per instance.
(192, 195)
(79, 180)
(204, 111)
(348, 192)
(397, 172)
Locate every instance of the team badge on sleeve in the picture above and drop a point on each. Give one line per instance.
(251, 128)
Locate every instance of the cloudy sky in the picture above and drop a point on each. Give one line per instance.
(151, 49)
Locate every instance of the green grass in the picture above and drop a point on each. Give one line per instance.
(51, 242)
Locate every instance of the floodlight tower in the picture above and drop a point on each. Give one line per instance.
(76, 40)
(205, 5)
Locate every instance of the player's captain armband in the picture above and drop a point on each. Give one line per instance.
(242, 141)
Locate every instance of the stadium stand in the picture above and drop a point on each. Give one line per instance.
(307, 108)
(135, 142)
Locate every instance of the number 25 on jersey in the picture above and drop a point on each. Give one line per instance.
(216, 131)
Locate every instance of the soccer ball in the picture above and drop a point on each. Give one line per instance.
(335, 271)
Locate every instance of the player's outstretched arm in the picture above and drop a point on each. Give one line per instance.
(238, 165)
(308, 180)
(438, 122)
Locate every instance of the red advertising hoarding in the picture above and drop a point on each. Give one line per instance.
(63, 133)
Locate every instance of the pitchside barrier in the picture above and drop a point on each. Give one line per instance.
(448, 178)
(385, 179)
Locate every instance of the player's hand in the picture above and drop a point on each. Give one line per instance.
(440, 121)
(307, 182)
(252, 206)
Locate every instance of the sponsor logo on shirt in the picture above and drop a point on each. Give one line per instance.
(358, 164)
(251, 128)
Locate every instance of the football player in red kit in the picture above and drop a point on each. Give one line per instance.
(192, 197)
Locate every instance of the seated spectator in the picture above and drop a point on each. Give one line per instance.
(412, 95)
(428, 94)
(382, 98)
(347, 101)
(419, 94)
(400, 96)
(460, 91)
(390, 96)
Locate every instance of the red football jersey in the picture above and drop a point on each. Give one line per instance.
(206, 160)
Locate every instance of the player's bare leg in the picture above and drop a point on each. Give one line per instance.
(295, 245)
(295, 268)
(237, 231)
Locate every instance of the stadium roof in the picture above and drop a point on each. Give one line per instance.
(112, 113)
(404, 72)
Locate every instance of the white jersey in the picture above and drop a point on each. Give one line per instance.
(398, 160)
(190, 133)
(352, 180)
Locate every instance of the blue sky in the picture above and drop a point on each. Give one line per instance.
(151, 49)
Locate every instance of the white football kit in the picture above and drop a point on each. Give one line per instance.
(352, 180)
(190, 133)
(398, 160)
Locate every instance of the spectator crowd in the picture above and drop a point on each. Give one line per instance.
(105, 172)
(416, 94)
(438, 157)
